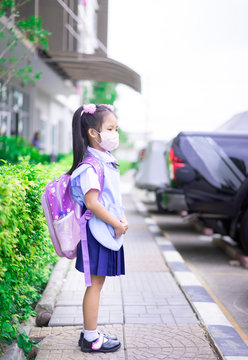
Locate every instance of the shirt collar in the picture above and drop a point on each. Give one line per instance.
(105, 156)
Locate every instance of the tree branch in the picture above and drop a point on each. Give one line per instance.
(7, 48)
(9, 76)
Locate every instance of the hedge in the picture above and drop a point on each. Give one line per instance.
(12, 147)
(26, 251)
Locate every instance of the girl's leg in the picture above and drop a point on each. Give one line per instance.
(91, 302)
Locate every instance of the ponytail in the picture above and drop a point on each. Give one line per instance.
(78, 140)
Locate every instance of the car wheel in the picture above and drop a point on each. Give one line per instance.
(160, 207)
(244, 232)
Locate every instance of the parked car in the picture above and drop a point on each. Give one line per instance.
(211, 171)
(152, 174)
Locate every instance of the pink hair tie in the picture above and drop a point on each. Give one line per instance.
(110, 107)
(89, 108)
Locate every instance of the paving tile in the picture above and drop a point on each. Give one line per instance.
(45, 331)
(35, 332)
(186, 320)
(150, 283)
(77, 354)
(61, 321)
(115, 318)
(145, 319)
(174, 342)
(168, 319)
(157, 309)
(182, 311)
(65, 310)
(134, 309)
(178, 299)
(171, 354)
(43, 355)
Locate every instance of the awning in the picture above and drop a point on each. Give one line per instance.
(94, 67)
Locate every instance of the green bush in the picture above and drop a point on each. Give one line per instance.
(26, 251)
(14, 147)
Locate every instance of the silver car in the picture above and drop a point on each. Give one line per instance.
(152, 174)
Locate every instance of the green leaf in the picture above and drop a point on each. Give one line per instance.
(13, 59)
(7, 327)
(28, 68)
(26, 79)
(2, 34)
(3, 60)
(38, 75)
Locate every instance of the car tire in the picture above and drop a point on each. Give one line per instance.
(160, 207)
(244, 232)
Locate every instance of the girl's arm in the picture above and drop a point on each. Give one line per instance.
(92, 203)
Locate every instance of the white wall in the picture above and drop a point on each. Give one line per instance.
(54, 120)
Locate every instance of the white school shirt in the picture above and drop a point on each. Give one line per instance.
(89, 179)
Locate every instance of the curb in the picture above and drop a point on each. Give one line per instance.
(223, 335)
(198, 225)
(231, 251)
(45, 306)
(13, 352)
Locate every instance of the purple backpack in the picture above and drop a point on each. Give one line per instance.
(63, 214)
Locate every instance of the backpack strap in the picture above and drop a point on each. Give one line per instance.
(97, 166)
(87, 216)
(84, 246)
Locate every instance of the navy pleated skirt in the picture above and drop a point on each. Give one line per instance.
(103, 261)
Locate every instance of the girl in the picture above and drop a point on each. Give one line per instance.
(95, 134)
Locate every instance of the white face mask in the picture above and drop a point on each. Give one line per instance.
(110, 140)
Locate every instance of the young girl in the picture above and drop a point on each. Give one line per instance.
(95, 134)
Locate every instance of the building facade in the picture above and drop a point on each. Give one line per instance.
(77, 53)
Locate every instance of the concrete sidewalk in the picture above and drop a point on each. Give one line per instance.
(145, 308)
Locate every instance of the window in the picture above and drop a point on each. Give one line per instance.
(14, 112)
(4, 123)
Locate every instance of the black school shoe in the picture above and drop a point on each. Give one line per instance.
(99, 345)
(111, 337)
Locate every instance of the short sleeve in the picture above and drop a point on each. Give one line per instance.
(89, 180)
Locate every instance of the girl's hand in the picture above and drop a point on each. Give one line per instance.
(119, 230)
(125, 223)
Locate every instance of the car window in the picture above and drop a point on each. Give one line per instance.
(236, 148)
(211, 161)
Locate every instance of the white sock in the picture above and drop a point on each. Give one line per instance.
(90, 335)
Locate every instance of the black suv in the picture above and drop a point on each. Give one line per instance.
(211, 170)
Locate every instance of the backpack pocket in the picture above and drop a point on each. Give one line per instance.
(67, 230)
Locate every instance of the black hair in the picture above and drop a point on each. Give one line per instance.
(80, 126)
(36, 135)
